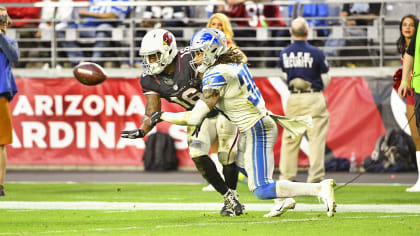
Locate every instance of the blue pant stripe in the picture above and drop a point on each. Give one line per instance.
(254, 157)
(264, 151)
(259, 157)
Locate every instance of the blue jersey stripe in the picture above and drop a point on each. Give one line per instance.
(211, 75)
(216, 80)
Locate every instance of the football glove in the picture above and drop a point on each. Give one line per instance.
(155, 118)
(133, 134)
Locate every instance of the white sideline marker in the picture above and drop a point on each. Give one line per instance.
(136, 206)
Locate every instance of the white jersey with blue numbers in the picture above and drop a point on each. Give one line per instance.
(240, 99)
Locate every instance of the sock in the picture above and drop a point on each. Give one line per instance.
(208, 170)
(285, 188)
(231, 175)
(215, 158)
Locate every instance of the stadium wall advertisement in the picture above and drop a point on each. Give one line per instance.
(58, 121)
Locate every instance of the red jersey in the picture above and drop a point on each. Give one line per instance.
(257, 14)
(22, 13)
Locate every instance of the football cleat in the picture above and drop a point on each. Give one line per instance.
(281, 206)
(231, 199)
(226, 211)
(327, 195)
(2, 193)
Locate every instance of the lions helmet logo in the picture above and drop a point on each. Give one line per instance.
(167, 39)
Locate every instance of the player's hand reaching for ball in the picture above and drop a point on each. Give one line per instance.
(132, 134)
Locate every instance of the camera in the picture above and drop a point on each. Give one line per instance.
(3, 18)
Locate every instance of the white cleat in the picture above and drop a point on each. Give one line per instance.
(208, 188)
(415, 188)
(281, 206)
(327, 196)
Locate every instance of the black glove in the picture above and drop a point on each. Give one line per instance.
(133, 134)
(155, 118)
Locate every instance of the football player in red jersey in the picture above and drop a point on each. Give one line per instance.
(169, 75)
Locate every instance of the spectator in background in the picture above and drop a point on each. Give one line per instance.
(23, 16)
(257, 12)
(63, 16)
(103, 19)
(200, 14)
(9, 53)
(172, 17)
(358, 14)
(167, 17)
(306, 81)
(221, 22)
(313, 10)
(26, 18)
(408, 28)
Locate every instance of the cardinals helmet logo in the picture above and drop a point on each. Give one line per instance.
(167, 39)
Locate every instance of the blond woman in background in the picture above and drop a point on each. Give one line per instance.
(221, 22)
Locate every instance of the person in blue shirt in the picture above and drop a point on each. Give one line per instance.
(102, 18)
(313, 10)
(307, 76)
(9, 53)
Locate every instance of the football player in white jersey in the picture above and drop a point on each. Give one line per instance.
(229, 87)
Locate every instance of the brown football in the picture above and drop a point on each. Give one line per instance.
(89, 73)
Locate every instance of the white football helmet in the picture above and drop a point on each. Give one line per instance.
(211, 43)
(162, 44)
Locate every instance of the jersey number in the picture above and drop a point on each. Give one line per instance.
(188, 98)
(256, 14)
(245, 79)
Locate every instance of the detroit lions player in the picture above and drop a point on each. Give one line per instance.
(169, 75)
(228, 85)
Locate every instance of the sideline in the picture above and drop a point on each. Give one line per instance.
(205, 206)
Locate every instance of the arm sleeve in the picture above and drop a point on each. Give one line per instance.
(9, 48)
(193, 117)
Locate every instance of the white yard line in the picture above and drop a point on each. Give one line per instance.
(194, 226)
(135, 206)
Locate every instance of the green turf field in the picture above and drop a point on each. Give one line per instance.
(132, 221)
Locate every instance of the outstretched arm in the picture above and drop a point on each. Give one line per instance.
(206, 103)
(153, 105)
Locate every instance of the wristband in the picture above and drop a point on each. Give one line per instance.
(404, 82)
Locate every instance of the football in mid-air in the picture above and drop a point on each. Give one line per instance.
(89, 73)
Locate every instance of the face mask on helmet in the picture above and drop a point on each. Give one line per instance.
(153, 63)
(207, 45)
(158, 49)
